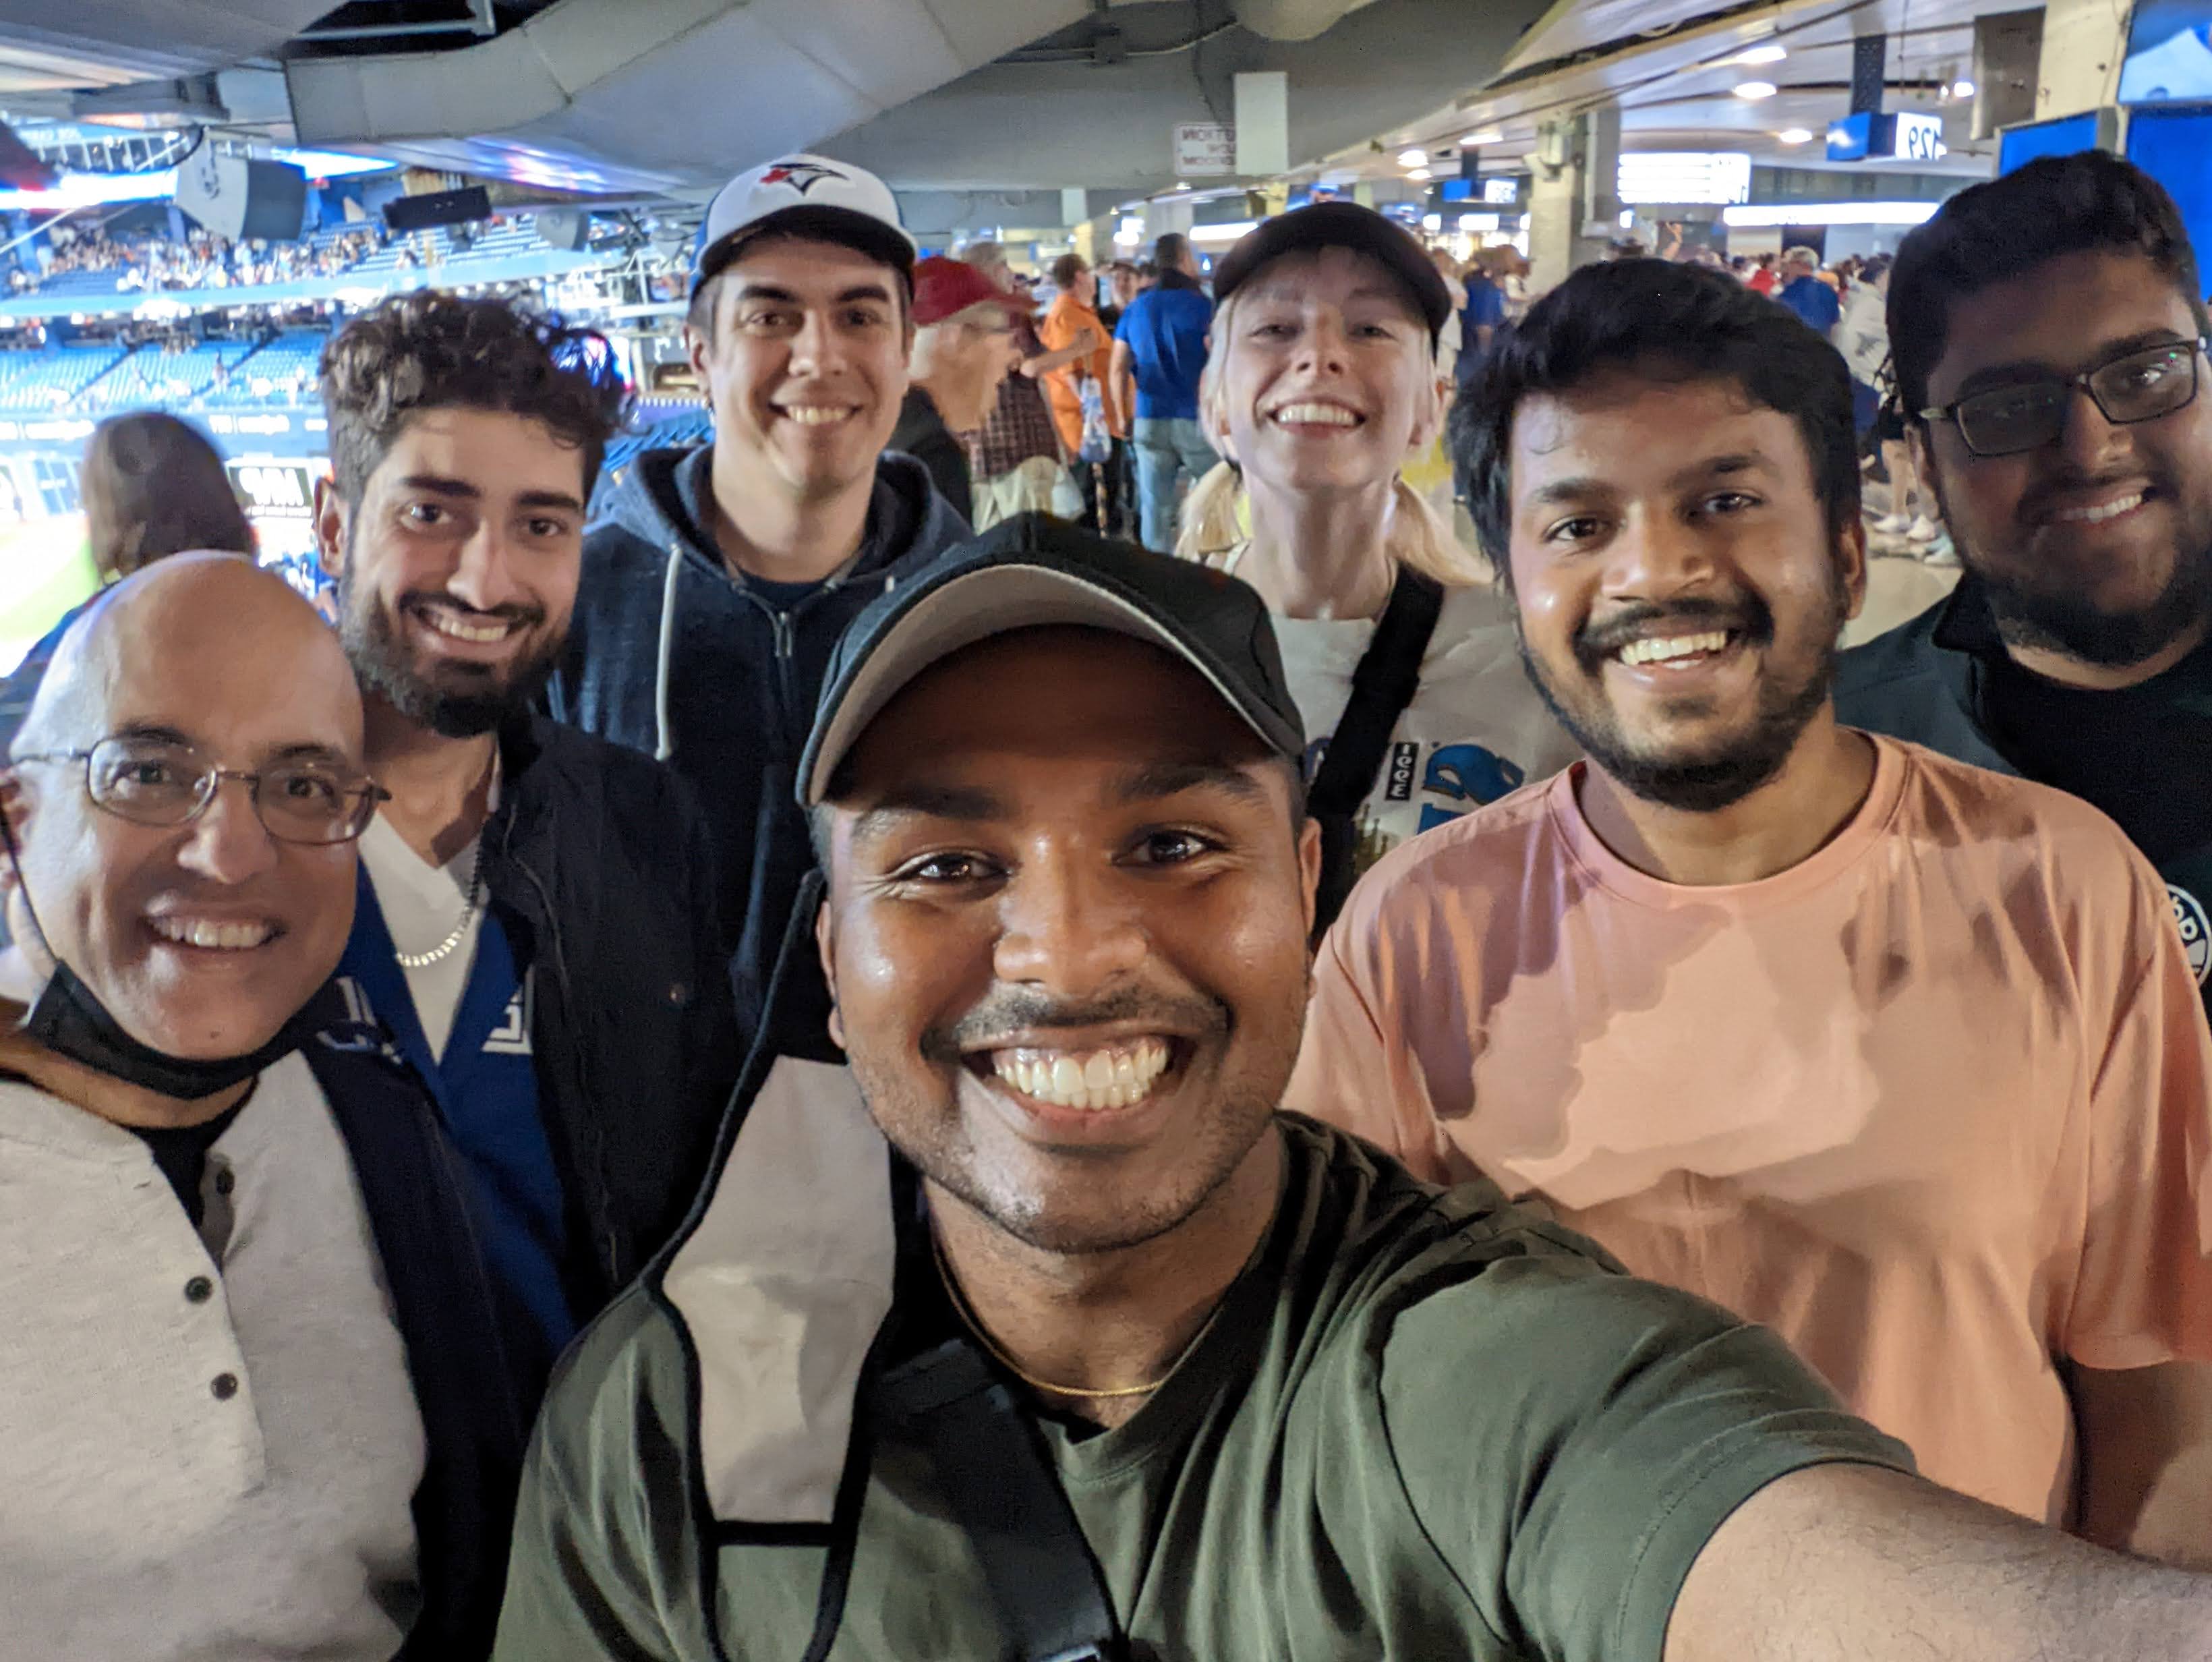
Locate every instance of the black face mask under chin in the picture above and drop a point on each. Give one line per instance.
(69, 1021)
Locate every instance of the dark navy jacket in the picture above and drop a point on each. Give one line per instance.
(462, 1352)
(601, 872)
(672, 654)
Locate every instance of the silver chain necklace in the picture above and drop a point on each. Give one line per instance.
(443, 948)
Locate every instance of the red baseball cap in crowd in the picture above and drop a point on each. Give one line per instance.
(944, 287)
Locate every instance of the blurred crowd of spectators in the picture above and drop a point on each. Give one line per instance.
(200, 260)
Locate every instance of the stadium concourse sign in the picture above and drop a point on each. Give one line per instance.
(1204, 149)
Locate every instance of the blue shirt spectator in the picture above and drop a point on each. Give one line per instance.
(1485, 311)
(1812, 300)
(1164, 330)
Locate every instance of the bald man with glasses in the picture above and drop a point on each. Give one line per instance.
(257, 1398)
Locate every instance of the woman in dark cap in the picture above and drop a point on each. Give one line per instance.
(1322, 382)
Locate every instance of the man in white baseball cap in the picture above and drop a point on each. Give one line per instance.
(711, 597)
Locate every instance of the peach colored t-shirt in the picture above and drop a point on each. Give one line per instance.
(1933, 1103)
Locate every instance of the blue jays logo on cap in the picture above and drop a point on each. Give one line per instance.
(801, 176)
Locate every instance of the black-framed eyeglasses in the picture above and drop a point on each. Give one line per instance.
(157, 781)
(2141, 385)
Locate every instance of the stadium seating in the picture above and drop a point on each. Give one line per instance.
(501, 238)
(80, 283)
(281, 370)
(690, 425)
(152, 377)
(52, 380)
(93, 380)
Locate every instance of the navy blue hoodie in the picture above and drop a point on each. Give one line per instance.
(672, 654)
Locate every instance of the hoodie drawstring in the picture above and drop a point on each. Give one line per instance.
(664, 744)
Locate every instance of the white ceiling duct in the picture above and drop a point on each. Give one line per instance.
(612, 94)
(1293, 20)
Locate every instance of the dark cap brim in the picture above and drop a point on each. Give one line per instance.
(967, 602)
(1339, 225)
(812, 222)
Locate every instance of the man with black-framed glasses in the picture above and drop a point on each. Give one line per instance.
(2050, 351)
(2048, 338)
(261, 1400)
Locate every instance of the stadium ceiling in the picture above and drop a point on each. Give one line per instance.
(1673, 66)
(669, 97)
(680, 93)
(1056, 116)
(49, 45)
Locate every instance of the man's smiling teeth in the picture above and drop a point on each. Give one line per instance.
(1116, 1078)
(817, 415)
(466, 629)
(222, 937)
(1661, 650)
(2103, 511)
(1319, 415)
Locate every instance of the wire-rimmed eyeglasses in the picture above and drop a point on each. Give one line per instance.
(156, 781)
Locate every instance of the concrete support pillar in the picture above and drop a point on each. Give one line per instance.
(2083, 44)
(1602, 175)
(1574, 204)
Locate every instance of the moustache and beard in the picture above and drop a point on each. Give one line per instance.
(2046, 607)
(1694, 779)
(454, 699)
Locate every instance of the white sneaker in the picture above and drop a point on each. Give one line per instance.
(1890, 525)
(1941, 552)
(1924, 530)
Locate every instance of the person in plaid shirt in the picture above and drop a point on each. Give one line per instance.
(1016, 458)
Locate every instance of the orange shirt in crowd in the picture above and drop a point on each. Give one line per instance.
(1064, 320)
(1933, 1103)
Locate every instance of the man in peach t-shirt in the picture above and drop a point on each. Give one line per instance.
(1901, 1057)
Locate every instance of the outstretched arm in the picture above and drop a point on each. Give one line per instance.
(1843, 1564)
(2146, 1437)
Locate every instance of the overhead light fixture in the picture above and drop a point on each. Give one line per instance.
(1755, 89)
(1412, 158)
(1794, 136)
(1419, 174)
(1962, 90)
(1768, 54)
(332, 164)
(1182, 184)
(1432, 222)
(1228, 233)
(73, 190)
(1487, 135)
(1830, 213)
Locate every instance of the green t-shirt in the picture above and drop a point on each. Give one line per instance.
(1426, 1425)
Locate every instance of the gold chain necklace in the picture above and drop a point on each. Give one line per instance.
(974, 1325)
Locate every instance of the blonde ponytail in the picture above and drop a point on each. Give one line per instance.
(1421, 541)
(1213, 517)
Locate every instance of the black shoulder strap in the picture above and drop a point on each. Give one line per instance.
(1052, 1599)
(1384, 684)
